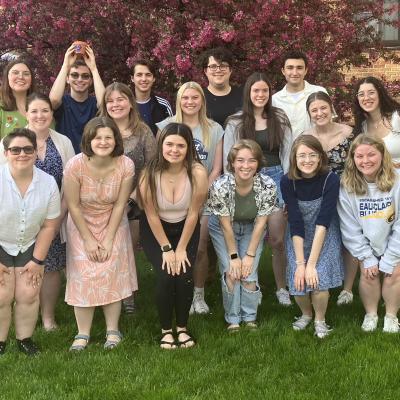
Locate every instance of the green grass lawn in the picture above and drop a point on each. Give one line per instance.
(273, 362)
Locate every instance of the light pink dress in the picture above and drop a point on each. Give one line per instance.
(92, 283)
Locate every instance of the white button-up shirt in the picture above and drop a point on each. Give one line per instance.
(21, 218)
(295, 107)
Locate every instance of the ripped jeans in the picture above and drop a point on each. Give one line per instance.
(240, 304)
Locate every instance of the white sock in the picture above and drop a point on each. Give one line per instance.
(199, 291)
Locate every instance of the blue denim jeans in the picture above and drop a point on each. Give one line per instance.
(275, 173)
(240, 304)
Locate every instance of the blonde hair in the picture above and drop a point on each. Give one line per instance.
(205, 123)
(353, 180)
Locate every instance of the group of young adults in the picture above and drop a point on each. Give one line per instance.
(239, 166)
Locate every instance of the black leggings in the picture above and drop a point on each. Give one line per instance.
(172, 291)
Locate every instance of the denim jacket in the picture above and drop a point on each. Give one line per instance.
(221, 196)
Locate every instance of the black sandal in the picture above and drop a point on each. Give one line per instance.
(183, 342)
(172, 345)
(2, 348)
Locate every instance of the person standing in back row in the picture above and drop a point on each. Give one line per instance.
(222, 99)
(293, 97)
(151, 108)
(75, 109)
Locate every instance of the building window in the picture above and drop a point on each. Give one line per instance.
(390, 33)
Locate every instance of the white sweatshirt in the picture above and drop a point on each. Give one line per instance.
(370, 226)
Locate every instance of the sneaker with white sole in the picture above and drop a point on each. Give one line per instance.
(370, 323)
(199, 305)
(301, 323)
(345, 297)
(391, 324)
(322, 330)
(283, 297)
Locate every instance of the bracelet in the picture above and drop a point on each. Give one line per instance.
(300, 262)
(250, 255)
(36, 261)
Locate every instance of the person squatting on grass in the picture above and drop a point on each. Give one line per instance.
(240, 203)
(270, 128)
(29, 215)
(369, 206)
(172, 191)
(100, 261)
(313, 244)
(335, 139)
(207, 137)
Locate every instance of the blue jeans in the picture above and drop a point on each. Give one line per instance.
(240, 304)
(275, 173)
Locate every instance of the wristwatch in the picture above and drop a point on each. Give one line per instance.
(166, 248)
(234, 256)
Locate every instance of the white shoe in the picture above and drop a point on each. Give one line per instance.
(391, 324)
(322, 330)
(370, 323)
(345, 297)
(191, 311)
(199, 305)
(283, 297)
(301, 323)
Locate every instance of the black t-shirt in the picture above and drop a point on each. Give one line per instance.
(219, 108)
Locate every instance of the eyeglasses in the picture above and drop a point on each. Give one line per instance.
(215, 67)
(75, 75)
(17, 150)
(311, 156)
(363, 95)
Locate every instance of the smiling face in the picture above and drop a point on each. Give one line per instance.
(259, 94)
(320, 112)
(174, 149)
(218, 78)
(368, 160)
(39, 115)
(191, 102)
(21, 161)
(19, 78)
(368, 97)
(245, 165)
(307, 161)
(79, 79)
(143, 79)
(103, 143)
(118, 105)
(294, 71)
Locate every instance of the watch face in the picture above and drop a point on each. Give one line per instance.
(167, 247)
(234, 256)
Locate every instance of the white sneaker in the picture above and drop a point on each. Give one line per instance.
(345, 297)
(283, 297)
(199, 305)
(370, 322)
(391, 324)
(301, 323)
(191, 311)
(322, 330)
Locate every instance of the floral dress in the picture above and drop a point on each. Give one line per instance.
(337, 156)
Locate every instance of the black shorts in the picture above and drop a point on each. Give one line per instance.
(19, 260)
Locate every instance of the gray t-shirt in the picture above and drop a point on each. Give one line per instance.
(206, 155)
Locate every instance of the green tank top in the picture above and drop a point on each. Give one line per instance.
(245, 207)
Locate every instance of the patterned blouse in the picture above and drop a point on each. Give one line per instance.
(221, 196)
(338, 155)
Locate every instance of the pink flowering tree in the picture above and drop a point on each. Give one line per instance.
(333, 34)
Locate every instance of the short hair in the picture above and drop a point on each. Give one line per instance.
(318, 96)
(314, 144)
(249, 144)
(221, 54)
(296, 55)
(79, 63)
(20, 132)
(90, 132)
(147, 63)
(353, 180)
(38, 96)
(7, 99)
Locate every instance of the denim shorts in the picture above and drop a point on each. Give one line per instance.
(19, 260)
(275, 173)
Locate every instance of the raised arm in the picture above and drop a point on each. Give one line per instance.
(57, 91)
(99, 88)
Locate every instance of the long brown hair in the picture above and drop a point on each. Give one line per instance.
(158, 163)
